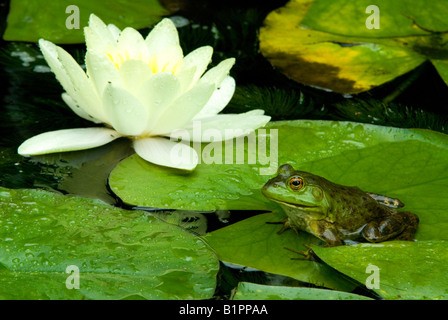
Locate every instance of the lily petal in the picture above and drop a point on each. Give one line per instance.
(186, 77)
(72, 78)
(98, 35)
(164, 35)
(126, 114)
(158, 93)
(134, 73)
(114, 31)
(163, 45)
(76, 108)
(132, 43)
(199, 58)
(219, 99)
(167, 153)
(188, 105)
(67, 140)
(217, 74)
(229, 125)
(101, 70)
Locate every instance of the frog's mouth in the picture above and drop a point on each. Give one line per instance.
(299, 206)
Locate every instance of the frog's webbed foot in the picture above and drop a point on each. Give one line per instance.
(286, 225)
(308, 255)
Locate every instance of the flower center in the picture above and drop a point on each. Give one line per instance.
(118, 58)
(156, 66)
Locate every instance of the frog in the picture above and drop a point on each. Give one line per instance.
(337, 214)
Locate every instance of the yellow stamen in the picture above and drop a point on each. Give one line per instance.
(119, 58)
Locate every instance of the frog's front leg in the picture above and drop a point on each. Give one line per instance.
(399, 226)
(286, 225)
(327, 232)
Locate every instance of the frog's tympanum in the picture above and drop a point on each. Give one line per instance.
(337, 214)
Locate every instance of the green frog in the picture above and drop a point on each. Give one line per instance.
(337, 214)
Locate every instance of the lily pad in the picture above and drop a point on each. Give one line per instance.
(252, 291)
(28, 21)
(117, 253)
(377, 159)
(399, 18)
(326, 43)
(254, 243)
(406, 270)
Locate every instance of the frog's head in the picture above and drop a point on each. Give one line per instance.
(298, 189)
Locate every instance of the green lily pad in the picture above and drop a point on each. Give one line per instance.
(252, 291)
(117, 253)
(27, 21)
(254, 243)
(326, 43)
(399, 18)
(410, 164)
(407, 270)
(442, 68)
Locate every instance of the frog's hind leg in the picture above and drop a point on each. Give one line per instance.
(308, 254)
(411, 221)
(399, 226)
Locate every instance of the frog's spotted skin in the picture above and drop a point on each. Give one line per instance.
(338, 214)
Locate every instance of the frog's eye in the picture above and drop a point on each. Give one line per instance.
(296, 183)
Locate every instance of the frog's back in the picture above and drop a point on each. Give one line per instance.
(352, 207)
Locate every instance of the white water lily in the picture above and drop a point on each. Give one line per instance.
(143, 89)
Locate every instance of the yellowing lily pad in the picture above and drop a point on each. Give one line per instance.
(442, 68)
(35, 19)
(66, 247)
(398, 270)
(326, 43)
(400, 18)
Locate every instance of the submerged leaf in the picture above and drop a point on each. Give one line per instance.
(396, 115)
(294, 104)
